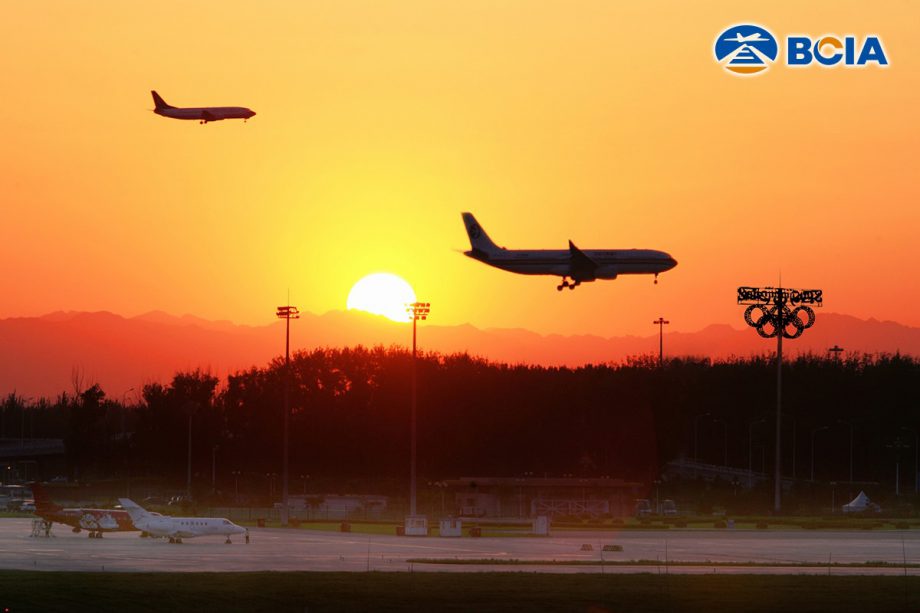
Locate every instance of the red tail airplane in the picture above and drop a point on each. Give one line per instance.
(96, 521)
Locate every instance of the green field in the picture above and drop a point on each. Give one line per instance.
(487, 592)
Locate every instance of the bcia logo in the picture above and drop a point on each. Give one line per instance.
(748, 49)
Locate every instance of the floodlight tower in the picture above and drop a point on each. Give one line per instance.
(660, 322)
(417, 311)
(775, 317)
(287, 313)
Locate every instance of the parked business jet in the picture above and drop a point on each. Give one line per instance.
(573, 263)
(178, 528)
(95, 521)
(203, 114)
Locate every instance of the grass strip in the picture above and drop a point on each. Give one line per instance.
(657, 563)
(482, 592)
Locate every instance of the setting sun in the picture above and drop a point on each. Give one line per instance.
(382, 294)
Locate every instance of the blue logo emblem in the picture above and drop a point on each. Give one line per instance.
(746, 49)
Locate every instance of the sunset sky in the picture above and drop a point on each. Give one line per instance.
(606, 123)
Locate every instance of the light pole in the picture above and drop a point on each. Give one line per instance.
(916, 456)
(124, 407)
(696, 424)
(417, 311)
(836, 350)
(236, 485)
(724, 440)
(850, 424)
(214, 469)
(897, 445)
(191, 407)
(287, 313)
(813, 433)
(768, 312)
(661, 322)
(751, 450)
(124, 441)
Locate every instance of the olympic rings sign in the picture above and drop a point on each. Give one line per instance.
(769, 320)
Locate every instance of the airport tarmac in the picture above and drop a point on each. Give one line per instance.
(306, 550)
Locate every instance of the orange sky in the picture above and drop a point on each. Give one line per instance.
(379, 122)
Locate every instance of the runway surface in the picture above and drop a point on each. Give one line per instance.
(306, 550)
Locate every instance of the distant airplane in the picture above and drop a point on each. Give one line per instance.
(96, 521)
(178, 528)
(203, 114)
(575, 264)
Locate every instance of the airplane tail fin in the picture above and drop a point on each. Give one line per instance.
(159, 102)
(43, 502)
(138, 513)
(479, 240)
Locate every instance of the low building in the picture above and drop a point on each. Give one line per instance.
(533, 496)
(335, 506)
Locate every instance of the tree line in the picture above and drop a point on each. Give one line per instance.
(349, 426)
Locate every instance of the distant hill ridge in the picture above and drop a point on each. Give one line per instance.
(40, 355)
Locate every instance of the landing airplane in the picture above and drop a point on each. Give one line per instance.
(178, 528)
(96, 521)
(203, 114)
(575, 264)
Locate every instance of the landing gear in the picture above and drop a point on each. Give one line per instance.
(175, 540)
(656, 278)
(569, 284)
(95, 534)
(228, 541)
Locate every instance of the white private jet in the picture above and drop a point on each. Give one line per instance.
(203, 114)
(573, 263)
(178, 528)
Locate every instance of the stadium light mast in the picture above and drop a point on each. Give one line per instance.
(287, 313)
(661, 322)
(417, 311)
(777, 312)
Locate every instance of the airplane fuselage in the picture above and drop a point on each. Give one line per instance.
(610, 263)
(206, 113)
(188, 527)
(93, 520)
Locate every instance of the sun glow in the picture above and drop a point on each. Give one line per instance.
(382, 294)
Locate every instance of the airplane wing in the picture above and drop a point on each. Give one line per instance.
(208, 116)
(581, 263)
